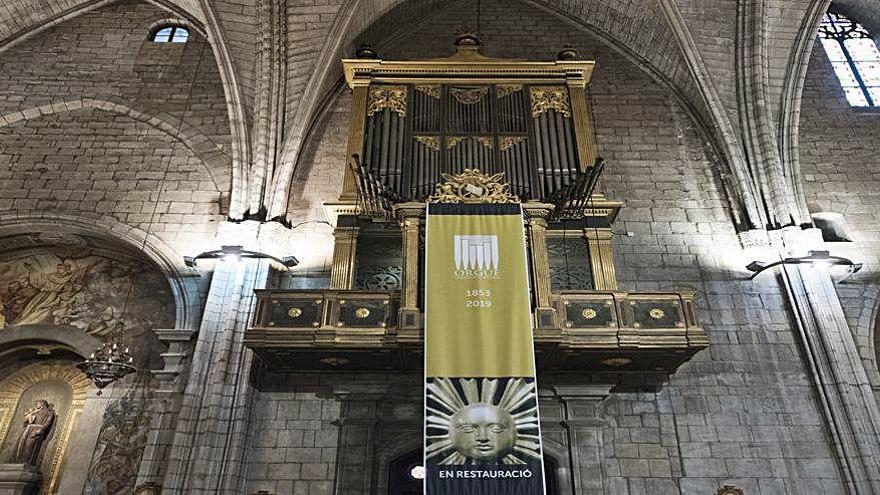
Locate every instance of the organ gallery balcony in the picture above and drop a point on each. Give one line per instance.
(591, 331)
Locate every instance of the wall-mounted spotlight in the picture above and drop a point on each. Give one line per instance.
(236, 253)
(816, 258)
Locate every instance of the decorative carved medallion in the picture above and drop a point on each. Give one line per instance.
(549, 98)
(361, 313)
(507, 142)
(294, 312)
(616, 361)
(473, 186)
(431, 142)
(656, 313)
(469, 96)
(507, 89)
(588, 313)
(729, 490)
(335, 361)
(431, 90)
(390, 97)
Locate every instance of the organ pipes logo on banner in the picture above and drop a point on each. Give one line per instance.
(482, 428)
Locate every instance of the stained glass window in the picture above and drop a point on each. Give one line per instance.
(170, 34)
(855, 58)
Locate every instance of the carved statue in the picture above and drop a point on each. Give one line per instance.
(38, 423)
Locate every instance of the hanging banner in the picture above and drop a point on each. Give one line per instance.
(482, 433)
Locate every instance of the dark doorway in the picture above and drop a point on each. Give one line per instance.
(404, 472)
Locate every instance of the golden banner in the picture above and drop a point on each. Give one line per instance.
(482, 432)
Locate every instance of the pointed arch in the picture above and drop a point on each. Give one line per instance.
(200, 15)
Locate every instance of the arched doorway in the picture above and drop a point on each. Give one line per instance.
(403, 474)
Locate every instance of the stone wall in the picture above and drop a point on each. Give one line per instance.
(90, 125)
(839, 148)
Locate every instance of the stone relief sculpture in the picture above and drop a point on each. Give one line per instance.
(38, 423)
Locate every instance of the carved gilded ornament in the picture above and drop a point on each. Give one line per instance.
(473, 186)
(656, 313)
(588, 313)
(507, 142)
(294, 312)
(507, 89)
(469, 96)
(549, 98)
(361, 313)
(432, 90)
(453, 141)
(431, 142)
(486, 141)
(390, 97)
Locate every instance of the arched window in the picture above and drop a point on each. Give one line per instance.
(170, 34)
(855, 58)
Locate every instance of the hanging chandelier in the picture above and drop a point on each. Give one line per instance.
(111, 361)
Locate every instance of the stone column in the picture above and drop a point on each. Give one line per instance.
(584, 433)
(843, 391)
(357, 429)
(167, 400)
(207, 453)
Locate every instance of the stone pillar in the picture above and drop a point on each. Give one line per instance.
(409, 215)
(843, 391)
(167, 400)
(584, 433)
(207, 452)
(545, 313)
(357, 429)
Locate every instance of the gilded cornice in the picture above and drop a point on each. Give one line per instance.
(474, 69)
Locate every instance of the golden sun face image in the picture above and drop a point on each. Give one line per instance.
(485, 421)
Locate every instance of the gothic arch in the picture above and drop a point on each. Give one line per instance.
(788, 121)
(215, 161)
(210, 29)
(690, 90)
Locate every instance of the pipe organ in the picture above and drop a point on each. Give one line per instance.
(469, 128)
(415, 121)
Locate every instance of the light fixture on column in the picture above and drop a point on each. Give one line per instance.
(111, 361)
(236, 253)
(821, 259)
